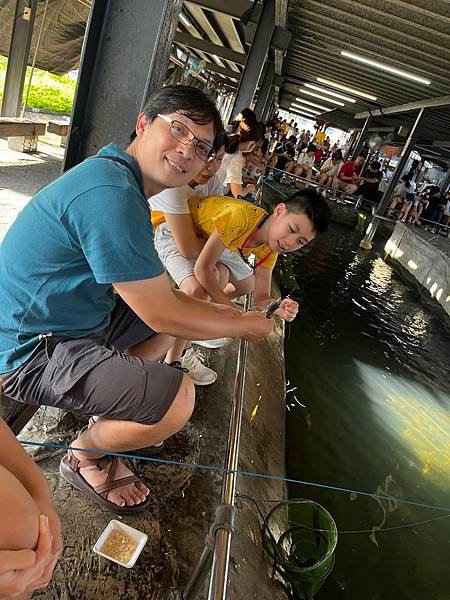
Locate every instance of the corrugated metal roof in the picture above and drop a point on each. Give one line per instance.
(411, 36)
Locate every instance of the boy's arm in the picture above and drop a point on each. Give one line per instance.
(204, 269)
(183, 232)
(263, 283)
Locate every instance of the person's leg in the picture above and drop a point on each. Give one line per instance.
(241, 287)
(122, 436)
(335, 185)
(20, 530)
(191, 287)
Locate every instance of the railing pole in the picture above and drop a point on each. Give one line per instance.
(221, 558)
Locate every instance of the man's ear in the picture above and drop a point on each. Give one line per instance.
(141, 123)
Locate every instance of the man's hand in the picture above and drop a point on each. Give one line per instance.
(257, 326)
(24, 571)
(288, 309)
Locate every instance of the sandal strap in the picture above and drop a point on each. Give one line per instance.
(112, 485)
(79, 463)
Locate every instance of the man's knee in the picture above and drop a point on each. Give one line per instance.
(182, 407)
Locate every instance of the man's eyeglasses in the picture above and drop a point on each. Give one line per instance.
(183, 134)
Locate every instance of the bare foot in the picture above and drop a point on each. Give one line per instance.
(126, 495)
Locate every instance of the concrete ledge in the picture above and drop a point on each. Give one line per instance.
(428, 264)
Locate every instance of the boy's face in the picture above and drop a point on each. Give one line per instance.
(164, 161)
(288, 231)
(209, 169)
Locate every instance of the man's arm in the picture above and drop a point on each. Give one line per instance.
(166, 311)
(204, 268)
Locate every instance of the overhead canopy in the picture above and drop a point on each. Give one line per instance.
(412, 36)
(62, 35)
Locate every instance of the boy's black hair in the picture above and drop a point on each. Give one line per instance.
(187, 100)
(308, 202)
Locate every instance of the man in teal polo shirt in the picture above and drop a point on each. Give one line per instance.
(67, 340)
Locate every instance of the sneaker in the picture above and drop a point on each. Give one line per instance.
(197, 371)
(218, 343)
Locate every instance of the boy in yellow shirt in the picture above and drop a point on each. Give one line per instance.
(232, 231)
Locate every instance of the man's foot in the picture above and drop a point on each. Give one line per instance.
(217, 343)
(131, 494)
(197, 371)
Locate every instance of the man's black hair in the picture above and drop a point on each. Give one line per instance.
(311, 148)
(308, 202)
(189, 101)
(375, 165)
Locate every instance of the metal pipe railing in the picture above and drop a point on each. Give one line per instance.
(221, 558)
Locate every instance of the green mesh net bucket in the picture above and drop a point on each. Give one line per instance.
(361, 222)
(301, 537)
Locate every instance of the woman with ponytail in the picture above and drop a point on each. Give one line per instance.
(245, 134)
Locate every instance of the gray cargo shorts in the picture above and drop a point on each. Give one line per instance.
(91, 376)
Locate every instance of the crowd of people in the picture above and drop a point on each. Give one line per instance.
(312, 158)
(92, 324)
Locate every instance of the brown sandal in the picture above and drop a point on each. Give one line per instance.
(70, 470)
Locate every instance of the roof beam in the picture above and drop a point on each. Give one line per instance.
(358, 78)
(199, 44)
(389, 16)
(355, 32)
(423, 11)
(442, 143)
(368, 23)
(213, 67)
(234, 8)
(201, 19)
(401, 108)
(371, 48)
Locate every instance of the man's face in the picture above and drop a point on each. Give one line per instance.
(209, 169)
(165, 162)
(288, 231)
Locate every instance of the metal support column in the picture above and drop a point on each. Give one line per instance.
(445, 182)
(125, 56)
(269, 106)
(366, 243)
(264, 91)
(255, 58)
(362, 138)
(18, 57)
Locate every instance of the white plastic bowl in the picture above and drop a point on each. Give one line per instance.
(139, 538)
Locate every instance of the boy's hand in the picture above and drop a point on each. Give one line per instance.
(23, 571)
(288, 309)
(257, 327)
